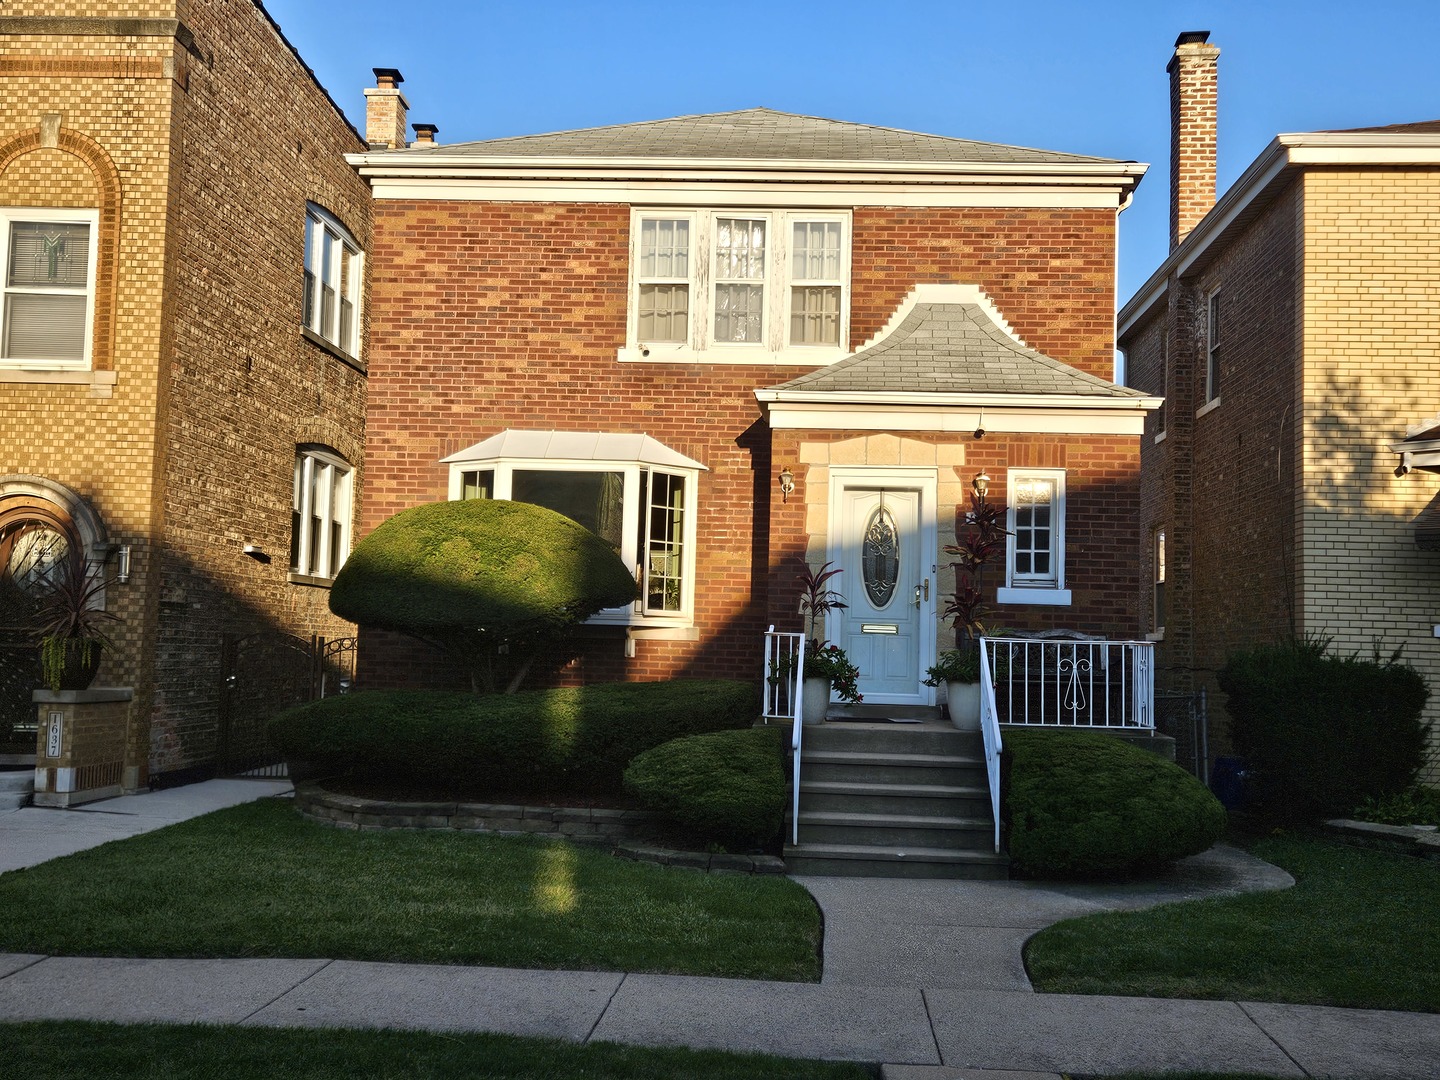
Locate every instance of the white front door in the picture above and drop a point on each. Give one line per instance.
(886, 556)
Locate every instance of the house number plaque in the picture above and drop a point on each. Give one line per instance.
(52, 736)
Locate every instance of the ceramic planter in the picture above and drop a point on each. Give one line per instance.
(964, 701)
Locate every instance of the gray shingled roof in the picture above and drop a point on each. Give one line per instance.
(953, 348)
(758, 134)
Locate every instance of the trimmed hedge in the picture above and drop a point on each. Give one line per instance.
(570, 740)
(1085, 805)
(1321, 732)
(725, 787)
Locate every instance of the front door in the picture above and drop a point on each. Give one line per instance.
(886, 557)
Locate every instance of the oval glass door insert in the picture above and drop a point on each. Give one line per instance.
(880, 557)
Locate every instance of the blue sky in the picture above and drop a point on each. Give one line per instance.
(1083, 77)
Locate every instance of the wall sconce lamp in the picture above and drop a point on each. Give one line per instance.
(787, 483)
(122, 563)
(981, 484)
(256, 552)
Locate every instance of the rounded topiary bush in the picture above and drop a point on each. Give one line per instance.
(568, 740)
(725, 787)
(1081, 804)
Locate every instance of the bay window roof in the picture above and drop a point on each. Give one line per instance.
(515, 445)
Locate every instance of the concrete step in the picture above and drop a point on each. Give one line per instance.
(868, 766)
(845, 860)
(16, 788)
(895, 830)
(892, 739)
(948, 800)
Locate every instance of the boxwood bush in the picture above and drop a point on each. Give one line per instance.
(575, 739)
(1085, 805)
(1323, 732)
(724, 787)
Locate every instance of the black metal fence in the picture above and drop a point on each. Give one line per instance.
(1182, 715)
(19, 678)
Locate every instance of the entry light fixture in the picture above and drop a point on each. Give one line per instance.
(981, 484)
(787, 484)
(122, 563)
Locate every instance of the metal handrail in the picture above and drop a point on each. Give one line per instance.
(782, 649)
(990, 732)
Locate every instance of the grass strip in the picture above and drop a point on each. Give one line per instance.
(260, 881)
(1357, 930)
(54, 1049)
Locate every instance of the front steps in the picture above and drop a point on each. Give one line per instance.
(880, 799)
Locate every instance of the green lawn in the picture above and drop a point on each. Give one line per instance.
(1359, 929)
(259, 880)
(171, 1052)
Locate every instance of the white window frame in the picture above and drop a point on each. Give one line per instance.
(332, 470)
(321, 225)
(636, 524)
(1158, 597)
(700, 345)
(1047, 589)
(1214, 330)
(8, 217)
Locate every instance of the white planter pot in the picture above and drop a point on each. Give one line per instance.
(964, 701)
(815, 700)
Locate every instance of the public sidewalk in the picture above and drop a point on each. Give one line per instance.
(922, 976)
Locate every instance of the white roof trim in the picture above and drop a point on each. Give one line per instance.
(942, 293)
(511, 445)
(954, 418)
(990, 401)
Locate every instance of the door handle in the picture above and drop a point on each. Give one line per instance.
(926, 590)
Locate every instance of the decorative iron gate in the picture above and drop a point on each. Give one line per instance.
(262, 675)
(19, 677)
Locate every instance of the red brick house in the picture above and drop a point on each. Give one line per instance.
(730, 342)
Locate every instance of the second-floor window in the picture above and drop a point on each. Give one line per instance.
(332, 281)
(49, 286)
(738, 286)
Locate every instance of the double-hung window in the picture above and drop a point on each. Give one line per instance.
(634, 493)
(1158, 570)
(49, 284)
(738, 286)
(333, 276)
(320, 513)
(1213, 332)
(1035, 546)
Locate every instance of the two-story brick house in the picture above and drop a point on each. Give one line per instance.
(731, 342)
(182, 385)
(1290, 480)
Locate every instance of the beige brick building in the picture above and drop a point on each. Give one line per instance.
(182, 382)
(1294, 330)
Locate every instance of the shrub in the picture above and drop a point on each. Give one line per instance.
(576, 739)
(1415, 806)
(725, 787)
(1082, 804)
(1322, 732)
(477, 575)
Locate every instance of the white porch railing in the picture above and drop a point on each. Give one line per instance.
(1067, 682)
(784, 680)
(990, 733)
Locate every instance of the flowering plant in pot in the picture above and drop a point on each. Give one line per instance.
(981, 538)
(70, 623)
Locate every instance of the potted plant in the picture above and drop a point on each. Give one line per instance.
(981, 538)
(827, 667)
(70, 623)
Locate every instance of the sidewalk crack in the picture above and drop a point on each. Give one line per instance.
(288, 990)
(26, 967)
(605, 1008)
(929, 1019)
(1273, 1040)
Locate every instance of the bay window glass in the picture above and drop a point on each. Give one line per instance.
(49, 275)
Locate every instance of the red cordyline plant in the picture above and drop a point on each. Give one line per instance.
(69, 616)
(982, 537)
(823, 660)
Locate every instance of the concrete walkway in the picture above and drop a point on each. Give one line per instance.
(922, 976)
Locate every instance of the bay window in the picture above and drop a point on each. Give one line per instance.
(738, 286)
(634, 493)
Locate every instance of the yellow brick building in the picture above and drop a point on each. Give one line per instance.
(1292, 481)
(182, 376)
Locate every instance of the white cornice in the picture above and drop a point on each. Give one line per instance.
(1055, 416)
(1069, 402)
(1287, 151)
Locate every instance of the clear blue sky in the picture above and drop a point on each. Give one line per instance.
(1084, 77)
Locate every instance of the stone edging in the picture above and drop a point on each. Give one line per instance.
(1401, 839)
(624, 831)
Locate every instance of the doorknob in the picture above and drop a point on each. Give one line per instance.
(925, 588)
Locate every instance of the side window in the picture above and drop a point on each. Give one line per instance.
(49, 287)
(1214, 334)
(1158, 572)
(320, 514)
(333, 275)
(1035, 548)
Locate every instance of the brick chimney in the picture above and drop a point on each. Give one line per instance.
(385, 111)
(424, 136)
(1193, 98)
